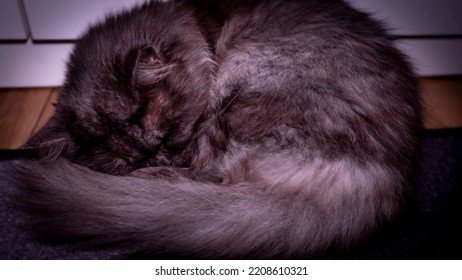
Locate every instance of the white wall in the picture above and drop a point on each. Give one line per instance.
(429, 31)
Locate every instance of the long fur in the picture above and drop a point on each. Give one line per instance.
(281, 130)
(184, 218)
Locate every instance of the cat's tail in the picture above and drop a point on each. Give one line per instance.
(184, 218)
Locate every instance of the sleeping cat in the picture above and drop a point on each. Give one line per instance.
(227, 129)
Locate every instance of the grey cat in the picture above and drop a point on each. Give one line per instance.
(227, 129)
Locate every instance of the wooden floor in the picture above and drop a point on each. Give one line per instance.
(24, 111)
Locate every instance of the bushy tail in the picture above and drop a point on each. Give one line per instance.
(184, 218)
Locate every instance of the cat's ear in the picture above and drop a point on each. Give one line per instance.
(149, 68)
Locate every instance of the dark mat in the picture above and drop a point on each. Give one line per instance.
(15, 242)
(429, 228)
(431, 225)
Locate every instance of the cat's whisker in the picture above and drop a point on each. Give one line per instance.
(210, 121)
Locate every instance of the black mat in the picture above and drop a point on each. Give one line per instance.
(430, 227)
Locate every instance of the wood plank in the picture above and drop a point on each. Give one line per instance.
(19, 112)
(442, 102)
(48, 110)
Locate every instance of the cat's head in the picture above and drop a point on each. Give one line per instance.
(129, 101)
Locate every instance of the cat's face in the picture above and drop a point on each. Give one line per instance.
(134, 113)
(136, 87)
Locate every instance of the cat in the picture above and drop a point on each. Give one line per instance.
(227, 129)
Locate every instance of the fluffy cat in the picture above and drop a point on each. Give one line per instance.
(227, 129)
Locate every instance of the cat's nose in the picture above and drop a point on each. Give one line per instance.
(153, 140)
